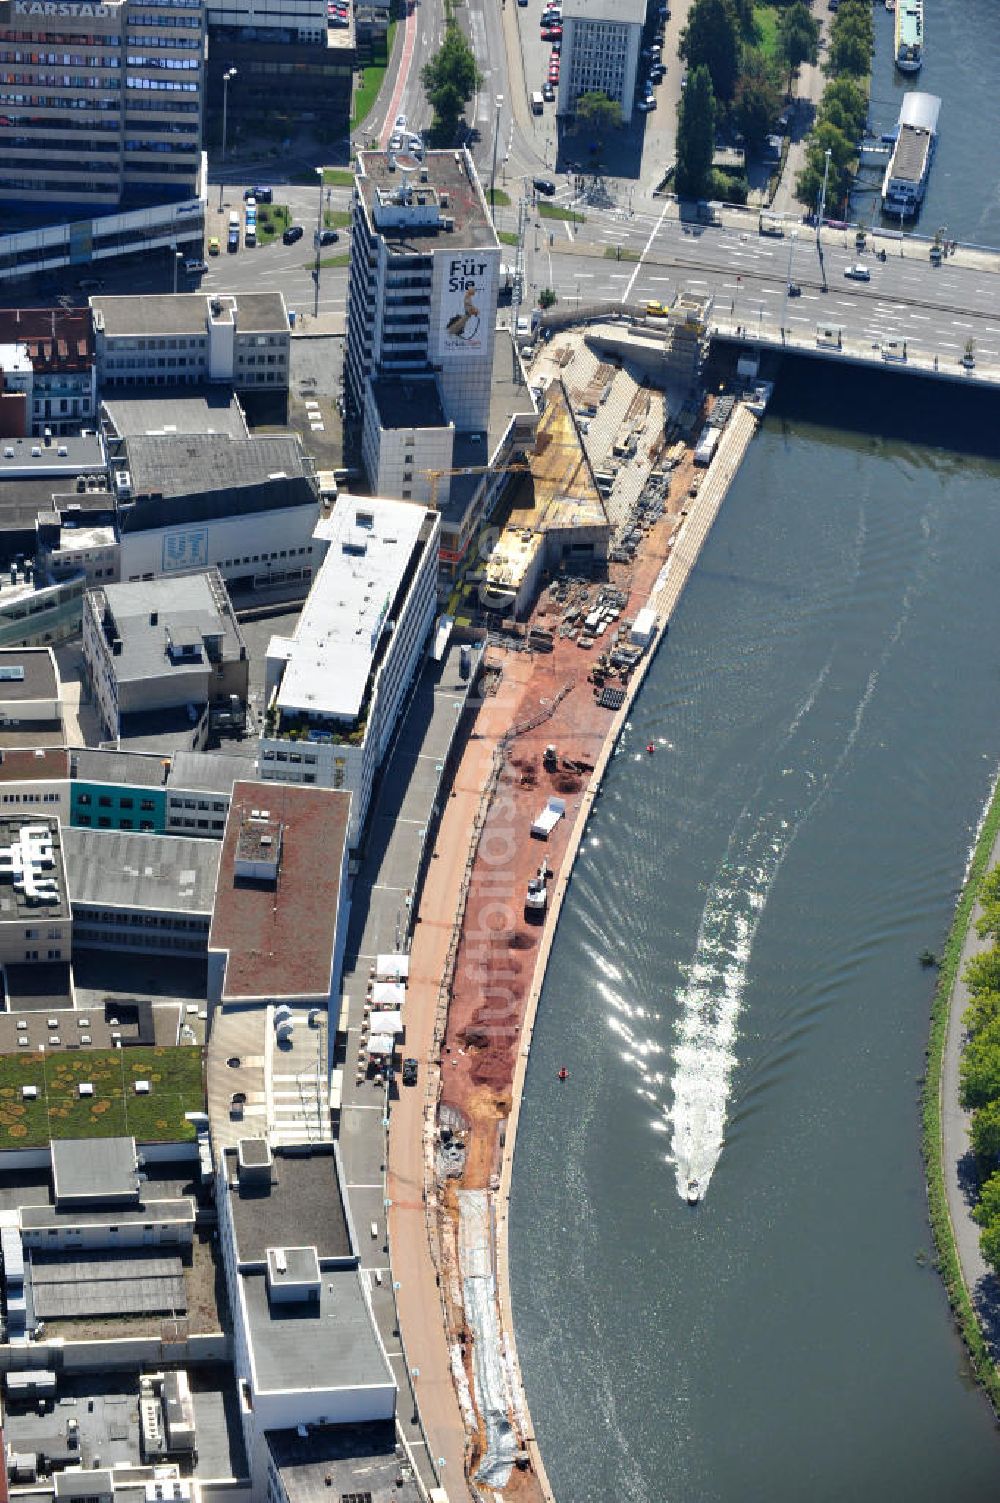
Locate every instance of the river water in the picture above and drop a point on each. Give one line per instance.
(961, 66)
(735, 990)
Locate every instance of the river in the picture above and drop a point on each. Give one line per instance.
(961, 66)
(735, 990)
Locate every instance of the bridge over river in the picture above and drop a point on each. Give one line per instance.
(909, 313)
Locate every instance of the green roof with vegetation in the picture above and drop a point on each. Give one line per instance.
(114, 1109)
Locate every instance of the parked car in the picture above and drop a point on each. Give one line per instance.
(543, 185)
(410, 1068)
(794, 290)
(293, 233)
(213, 246)
(328, 237)
(658, 72)
(647, 104)
(195, 267)
(523, 4)
(548, 92)
(858, 273)
(656, 310)
(395, 142)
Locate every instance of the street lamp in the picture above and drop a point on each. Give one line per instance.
(822, 211)
(493, 170)
(319, 235)
(230, 73)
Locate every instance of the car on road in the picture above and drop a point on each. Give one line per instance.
(656, 310)
(523, 4)
(543, 185)
(293, 233)
(410, 1068)
(327, 237)
(400, 122)
(396, 142)
(794, 290)
(548, 92)
(213, 246)
(858, 273)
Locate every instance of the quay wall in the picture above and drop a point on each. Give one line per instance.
(666, 594)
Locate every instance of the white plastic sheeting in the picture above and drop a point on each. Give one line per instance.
(489, 1369)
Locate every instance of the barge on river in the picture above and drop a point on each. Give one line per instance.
(909, 35)
(909, 166)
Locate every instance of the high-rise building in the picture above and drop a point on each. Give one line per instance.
(600, 51)
(100, 103)
(422, 301)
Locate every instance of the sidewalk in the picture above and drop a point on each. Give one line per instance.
(958, 1164)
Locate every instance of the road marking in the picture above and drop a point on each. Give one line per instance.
(652, 236)
(957, 323)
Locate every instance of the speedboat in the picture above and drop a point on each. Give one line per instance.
(693, 1192)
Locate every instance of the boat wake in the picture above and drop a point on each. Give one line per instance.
(710, 999)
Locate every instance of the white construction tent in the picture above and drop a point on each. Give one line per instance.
(388, 994)
(394, 967)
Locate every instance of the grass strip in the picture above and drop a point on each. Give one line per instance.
(620, 253)
(507, 237)
(498, 198)
(556, 211)
(336, 219)
(338, 177)
(367, 90)
(937, 1199)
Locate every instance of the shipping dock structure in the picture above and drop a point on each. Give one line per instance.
(909, 166)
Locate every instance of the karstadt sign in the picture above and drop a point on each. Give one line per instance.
(60, 8)
(468, 303)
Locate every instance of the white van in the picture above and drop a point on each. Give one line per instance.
(537, 103)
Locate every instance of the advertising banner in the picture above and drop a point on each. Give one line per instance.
(468, 303)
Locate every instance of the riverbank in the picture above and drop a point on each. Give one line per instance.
(945, 1125)
(492, 1004)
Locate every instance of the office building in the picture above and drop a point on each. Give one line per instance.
(247, 507)
(307, 1350)
(601, 42)
(293, 66)
(165, 657)
(101, 103)
(188, 793)
(49, 371)
(240, 339)
(133, 891)
(422, 300)
(334, 690)
(36, 922)
(31, 713)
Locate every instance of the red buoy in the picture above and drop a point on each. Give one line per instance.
(563, 1073)
(650, 748)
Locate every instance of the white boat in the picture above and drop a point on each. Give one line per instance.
(909, 35)
(909, 166)
(693, 1192)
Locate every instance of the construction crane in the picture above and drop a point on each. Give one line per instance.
(517, 467)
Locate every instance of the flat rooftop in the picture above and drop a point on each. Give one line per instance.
(453, 185)
(301, 1206)
(106, 1408)
(630, 12)
(343, 1461)
(125, 769)
(205, 772)
(909, 160)
(157, 409)
(36, 457)
(162, 625)
(187, 313)
(57, 339)
(279, 937)
(27, 673)
(94, 1169)
(125, 869)
(372, 542)
(408, 402)
(31, 851)
(40, 765)
(179, 464)
(324, 1345)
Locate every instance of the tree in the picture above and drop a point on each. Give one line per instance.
(988, 926)
(825, 137)
(982, 974)
(450, 78)
(986, 1135)
(757, 101)
(798, 37)
(546, 298)
(988, 1206)
(695, 135)
(983, 1010)
(979, 1071)
(848, 96)
(711, 40)
(851, 40)
(597, 113)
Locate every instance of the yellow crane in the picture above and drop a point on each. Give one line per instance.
(516, 467)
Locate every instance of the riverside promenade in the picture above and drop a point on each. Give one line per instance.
(982, 1284)
(421, 1209)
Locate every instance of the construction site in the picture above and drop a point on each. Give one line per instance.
(588, 560)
